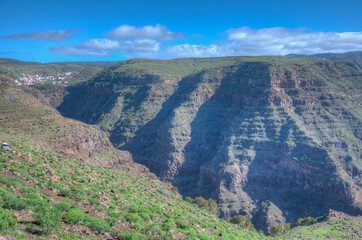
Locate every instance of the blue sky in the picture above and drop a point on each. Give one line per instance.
(47, 31)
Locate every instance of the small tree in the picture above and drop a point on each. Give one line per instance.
(48, 218)
(243, 222)
(306, 221)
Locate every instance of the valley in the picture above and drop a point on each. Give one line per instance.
(275, 139)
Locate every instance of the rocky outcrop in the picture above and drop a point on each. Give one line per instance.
(273, 138)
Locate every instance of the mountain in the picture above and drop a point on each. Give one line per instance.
(273, 138)
(352, 59)
(63, 179)
(14, 68)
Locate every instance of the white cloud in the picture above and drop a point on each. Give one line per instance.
(157, 32)
(50, 35)
(244, 41)
(272, 41)
(103, 47)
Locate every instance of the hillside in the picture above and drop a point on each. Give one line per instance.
(53, 184)
(14, 68)
(25, 119)
(352, 59)
(273, 138)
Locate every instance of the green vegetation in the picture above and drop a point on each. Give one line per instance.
(208, 205)
(13, 68)
(49, 187)
(243, 222)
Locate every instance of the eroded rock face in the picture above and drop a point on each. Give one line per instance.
(286, 134)
(89, 144)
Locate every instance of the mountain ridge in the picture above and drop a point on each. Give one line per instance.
(173, 121)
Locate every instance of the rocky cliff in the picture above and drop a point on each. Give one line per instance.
(271, 137)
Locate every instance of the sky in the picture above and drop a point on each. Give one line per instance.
(109, 30)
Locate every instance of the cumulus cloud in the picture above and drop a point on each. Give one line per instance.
(272, 41)
(146, 42)
(104, 47)
(157, 32)
(50, 35)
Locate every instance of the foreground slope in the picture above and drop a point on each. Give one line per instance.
(97, 203)
(274, 138)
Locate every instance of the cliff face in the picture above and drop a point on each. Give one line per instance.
(273, 138)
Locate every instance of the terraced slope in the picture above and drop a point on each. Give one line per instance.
(274, 138)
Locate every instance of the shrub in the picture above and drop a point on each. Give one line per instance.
(93, 201)
(4, 194)
(34, 204)
(64, 193)
(279, 229)
(208, 205)
(243, 222)
(6, 220)
(112, 221)
(306, 221)
(74, 216)
(25, 189)
(128, 236)
(48, 218)
(181, 225)
(139, 225)
(63, 205)
(132, 217)
(96, 224)
(12, 181)
(32, 195)
(15, 204)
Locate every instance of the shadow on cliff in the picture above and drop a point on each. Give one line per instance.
(89, 101)
(299, 179)
(142, 146)
(198, 175)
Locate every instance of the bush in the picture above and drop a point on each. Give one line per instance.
(64, 193)
(306, 221)
(48, 218)
(128, 235)
(112, 221)
(63, 205)
(133, 218)
(243, 222)
(6, 220)
(15, 204)
(139, 225)
(208, 205)
(12, 181)
(4, 194)
(32, 196)
(96, 224)
(182, 225)
(279, 229)
(74, 216)
(93, 201)
(34, 204)
(25, 189)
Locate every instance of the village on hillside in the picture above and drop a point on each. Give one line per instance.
(58, 79)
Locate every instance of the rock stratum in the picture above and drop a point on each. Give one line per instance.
(273, 138)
